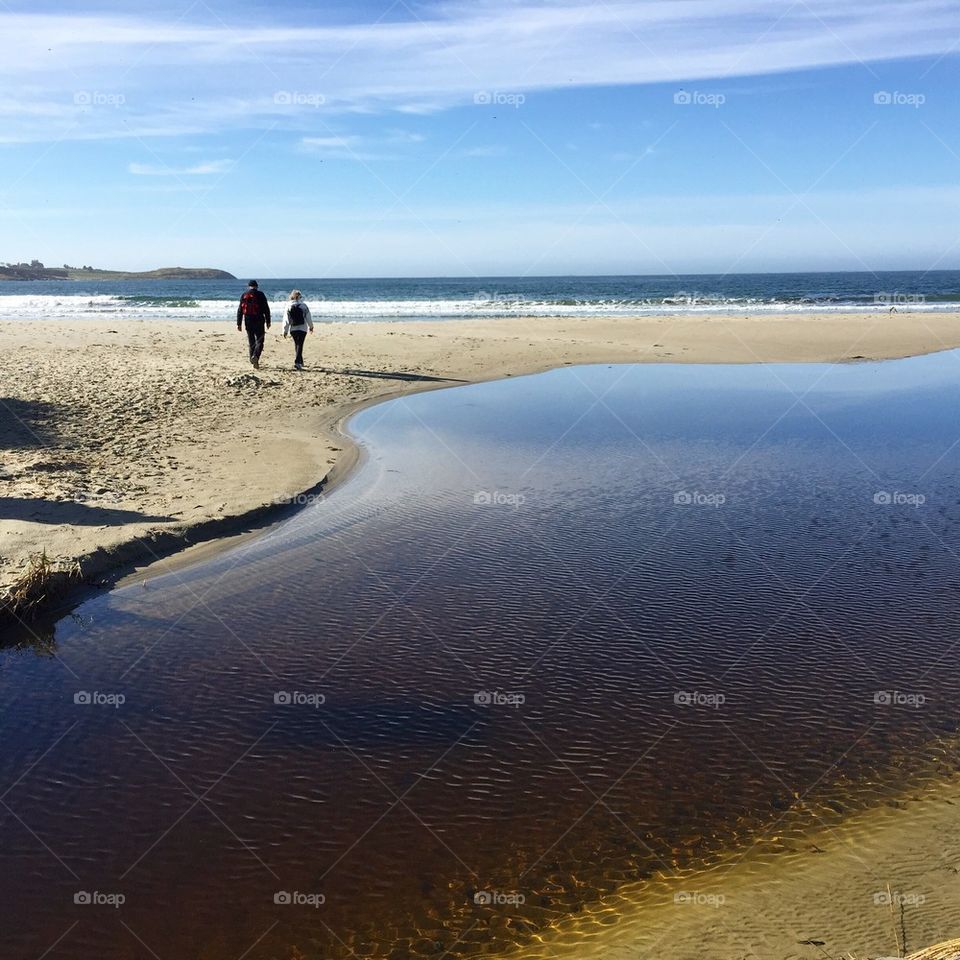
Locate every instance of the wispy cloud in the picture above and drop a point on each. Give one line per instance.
(336, 148)
(329, 143)
(485, 152)
(112, 68)
(352, 147)
(197, 170)
(404, 136)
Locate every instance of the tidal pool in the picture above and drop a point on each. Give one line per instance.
(558, 634)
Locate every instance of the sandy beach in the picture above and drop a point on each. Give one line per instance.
(126, 442)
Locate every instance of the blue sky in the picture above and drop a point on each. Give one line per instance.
(482, 138)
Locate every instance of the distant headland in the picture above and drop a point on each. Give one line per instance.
(35, 270)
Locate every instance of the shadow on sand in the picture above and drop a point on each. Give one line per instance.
(26, 424)
(387, 375)
(38, 510)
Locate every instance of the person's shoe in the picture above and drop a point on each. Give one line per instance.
(256, 363)
(298, 366)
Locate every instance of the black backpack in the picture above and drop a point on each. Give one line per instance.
(296, 315)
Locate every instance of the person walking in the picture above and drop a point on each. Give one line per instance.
(297, 322)
(254, 313)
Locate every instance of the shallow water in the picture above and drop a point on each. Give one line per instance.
(559, 634)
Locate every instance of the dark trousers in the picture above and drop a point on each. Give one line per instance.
(299, 336)
(255, 335)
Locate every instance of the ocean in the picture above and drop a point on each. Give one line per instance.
(452, 298)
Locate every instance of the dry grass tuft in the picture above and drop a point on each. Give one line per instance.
(948, 950)
(34, 585)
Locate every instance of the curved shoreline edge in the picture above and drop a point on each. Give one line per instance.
(105, 567)
(166, 551)
(443, 354)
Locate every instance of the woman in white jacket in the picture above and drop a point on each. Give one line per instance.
(296, 323)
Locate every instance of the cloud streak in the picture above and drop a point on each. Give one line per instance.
(197, 170)
(222, 77)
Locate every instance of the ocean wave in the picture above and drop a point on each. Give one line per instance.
(33, 306)
(174, 303)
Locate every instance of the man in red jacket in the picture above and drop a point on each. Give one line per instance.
(254, 311)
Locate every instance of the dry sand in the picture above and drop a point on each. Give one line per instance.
(126, 440)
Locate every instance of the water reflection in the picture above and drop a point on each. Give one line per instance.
(560, 633)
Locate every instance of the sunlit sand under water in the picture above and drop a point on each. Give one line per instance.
(561, 637)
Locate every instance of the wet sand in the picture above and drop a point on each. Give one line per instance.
(884, 883)
(124, 442)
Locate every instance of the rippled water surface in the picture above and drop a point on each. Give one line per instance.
(558, 634)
